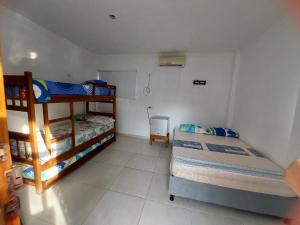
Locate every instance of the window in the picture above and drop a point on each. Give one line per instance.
(125, 80)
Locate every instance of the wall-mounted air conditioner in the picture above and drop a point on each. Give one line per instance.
(176, 61)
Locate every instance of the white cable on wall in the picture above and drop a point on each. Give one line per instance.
(147, 89)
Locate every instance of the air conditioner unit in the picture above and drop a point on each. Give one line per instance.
(176, 61)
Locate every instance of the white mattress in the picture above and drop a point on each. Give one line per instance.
(185, 164)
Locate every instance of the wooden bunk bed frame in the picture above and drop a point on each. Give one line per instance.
(24, 82)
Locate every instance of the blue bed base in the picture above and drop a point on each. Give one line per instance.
(243, 200)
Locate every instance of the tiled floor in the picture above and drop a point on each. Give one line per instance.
(126, 184)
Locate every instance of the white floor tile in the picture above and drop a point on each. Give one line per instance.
(31, 203)
(198, 218)
(256, 219)
(160, 214)
(116, 209)
(125, 167)
(159, 191)
(65, 203)
(248, 218)
(133, 182)
(32, 220)
(211, 209)
(145, 148)
(143, 162)
(127, 144)
(163, 166)
(115, 157)
(135, 145)
(101, 175)
(165, 152)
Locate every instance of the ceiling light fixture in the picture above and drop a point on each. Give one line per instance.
(112, 16)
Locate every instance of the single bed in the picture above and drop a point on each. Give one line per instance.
(228, 172)
(84, 131)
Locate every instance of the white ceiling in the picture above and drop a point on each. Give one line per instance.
(144, 26)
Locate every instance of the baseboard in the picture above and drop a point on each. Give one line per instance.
(133, 136)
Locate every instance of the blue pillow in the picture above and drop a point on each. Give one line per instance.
(99, 82)
(224, 132)
(41, 92)
(217, 131)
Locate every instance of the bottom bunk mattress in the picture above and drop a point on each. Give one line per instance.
(55, 170)
(84, 131)
(226, 162)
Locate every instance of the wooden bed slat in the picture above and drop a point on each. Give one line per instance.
(102, 114)
(19, 136)
(17, 108)
(12, 93)
(20, 97)
(55, 140)
(18, 148)
(25, 149)
(15, 80)
(22, 160)
(59, 119)
(62, 99)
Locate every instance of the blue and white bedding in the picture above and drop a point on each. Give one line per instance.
(55, 170)
(248, 172)
(84, 131)
(226, 149)
(44, 89)
(217, 131)
(187, 144)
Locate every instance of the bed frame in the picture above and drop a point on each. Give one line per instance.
(26, 103)
(271, 205)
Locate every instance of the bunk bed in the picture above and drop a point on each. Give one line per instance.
(47, 154)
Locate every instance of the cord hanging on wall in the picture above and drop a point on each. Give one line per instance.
(148, 112)
(147, 89)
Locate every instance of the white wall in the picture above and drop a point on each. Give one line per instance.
(294, 142)
(172, 90)
(267, 91)
(56, 57)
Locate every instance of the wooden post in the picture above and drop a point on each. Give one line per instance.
(46, 127)
(6, 164)
(115, 104)
(87, 107)
(115, 116)
(72, 123)
(33, 137)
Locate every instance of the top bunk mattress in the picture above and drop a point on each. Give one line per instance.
(44, 89)
(84, 131)
(226, 162)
